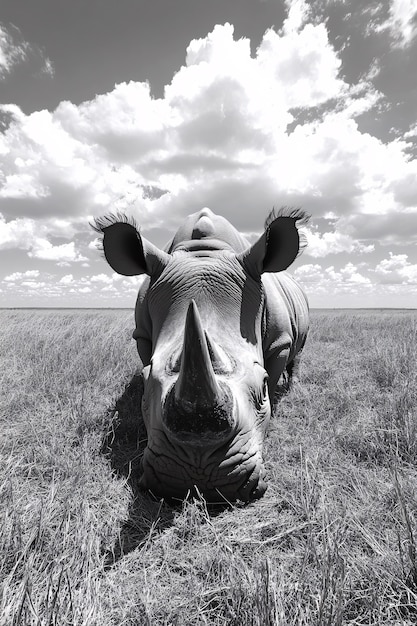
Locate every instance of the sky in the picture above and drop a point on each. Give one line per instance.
(158, 109)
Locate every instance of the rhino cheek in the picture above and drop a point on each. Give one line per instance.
(255, 487)
(151, 404)
(249, 417)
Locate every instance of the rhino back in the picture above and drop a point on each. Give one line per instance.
(206, 225)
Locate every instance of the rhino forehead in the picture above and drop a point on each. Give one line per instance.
(219, 286)
(218, 279)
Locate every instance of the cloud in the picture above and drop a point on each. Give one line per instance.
(309, 273)
(397, 269)
(11, 53)
(14, 50)
(393, 226)
(317, 279)
(320, 245)
(298, 14)
(302, 66)
(67, 279)
(351, 275)
(16, 276)
(43, 249)
(395, 262)
(412, 132)
(32, 284)
(396, 272)
(223, 121)
(237, 132)
(402, 21)
(101, 278)
(68, 289)
(397, 17)
(31, 236)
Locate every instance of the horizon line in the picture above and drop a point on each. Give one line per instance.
(93, 308)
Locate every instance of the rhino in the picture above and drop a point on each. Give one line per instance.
(218, 324)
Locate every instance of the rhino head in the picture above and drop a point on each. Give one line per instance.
(200, 325)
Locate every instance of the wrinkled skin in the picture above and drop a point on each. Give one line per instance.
(217, 323)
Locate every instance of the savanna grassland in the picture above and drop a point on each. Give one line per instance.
(333, 541)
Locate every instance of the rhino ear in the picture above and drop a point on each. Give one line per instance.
(279, 245)
(126, 251)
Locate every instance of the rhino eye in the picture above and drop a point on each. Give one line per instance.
(174, 363)
(261, 395)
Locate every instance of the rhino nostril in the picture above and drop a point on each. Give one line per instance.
(198, 419)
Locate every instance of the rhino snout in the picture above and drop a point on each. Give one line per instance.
(198, 421)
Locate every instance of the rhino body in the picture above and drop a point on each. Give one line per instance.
(218, 322)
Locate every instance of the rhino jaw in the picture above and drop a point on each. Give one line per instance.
(228, 472)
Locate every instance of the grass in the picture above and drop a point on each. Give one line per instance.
(332, 542)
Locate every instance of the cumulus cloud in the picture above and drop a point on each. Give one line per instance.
(351, 275)
(393, 275)
(221, 128)
(320, 245)
(101, 278)
(237, 132)
(412, 132)
(31, 236)
(67, 279)
(327, 280)
(305, 63)
(298, 14)
(309, 273)
(43, 249)
(376, 285)
(395, 262)
(397, 269)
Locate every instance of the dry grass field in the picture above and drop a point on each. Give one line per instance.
(333, 541)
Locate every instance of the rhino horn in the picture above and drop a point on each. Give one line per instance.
(217, 358)
(196, 384)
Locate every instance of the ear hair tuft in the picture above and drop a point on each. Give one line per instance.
(101, 223)
(296, 214)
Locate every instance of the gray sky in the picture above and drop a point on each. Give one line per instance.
(159, 109)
